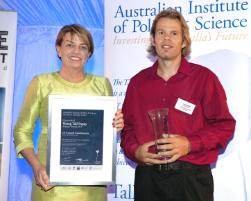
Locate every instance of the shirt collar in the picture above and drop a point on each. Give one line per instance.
(184, 68)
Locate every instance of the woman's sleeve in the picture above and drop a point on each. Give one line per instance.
(27, 117)
(108, 87)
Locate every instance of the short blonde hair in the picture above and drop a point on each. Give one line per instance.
(77, 29)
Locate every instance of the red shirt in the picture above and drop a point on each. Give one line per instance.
(208, 128)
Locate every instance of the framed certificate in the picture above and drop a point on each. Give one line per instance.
(81, 147)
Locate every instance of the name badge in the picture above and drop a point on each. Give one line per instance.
(184, 106)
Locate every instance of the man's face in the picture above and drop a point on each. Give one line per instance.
(73, 51)
(168, 39)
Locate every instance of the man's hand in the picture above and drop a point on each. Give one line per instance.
(118, 121)
(143, 155)
(173, 146)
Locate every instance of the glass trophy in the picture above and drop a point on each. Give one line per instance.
(159, 119)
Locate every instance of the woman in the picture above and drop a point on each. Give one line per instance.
(74, 45)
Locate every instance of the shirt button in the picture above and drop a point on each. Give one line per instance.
(163, 99)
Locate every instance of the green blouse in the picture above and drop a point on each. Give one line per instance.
(35, 106)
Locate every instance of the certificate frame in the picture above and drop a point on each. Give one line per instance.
(72, 123)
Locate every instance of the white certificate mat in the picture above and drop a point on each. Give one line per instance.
(81, 147)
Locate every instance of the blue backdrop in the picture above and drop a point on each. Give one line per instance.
(38, 24)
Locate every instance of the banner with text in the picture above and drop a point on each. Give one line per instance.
(8, 30)
(220, 32)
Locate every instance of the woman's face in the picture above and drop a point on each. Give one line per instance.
(73, 51)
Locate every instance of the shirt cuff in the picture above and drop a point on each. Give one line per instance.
(22, 146)
(195, 144)
(131, 152)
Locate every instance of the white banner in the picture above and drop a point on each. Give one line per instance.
(220, 31)
(8, 28)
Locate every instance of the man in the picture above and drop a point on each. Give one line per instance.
(199, 121)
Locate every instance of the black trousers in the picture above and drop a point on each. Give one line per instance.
(179, 181)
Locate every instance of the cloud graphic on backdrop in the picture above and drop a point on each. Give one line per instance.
(234, 71)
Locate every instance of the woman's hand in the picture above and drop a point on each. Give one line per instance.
(41, 177)
(39, 171)
(118, 121)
